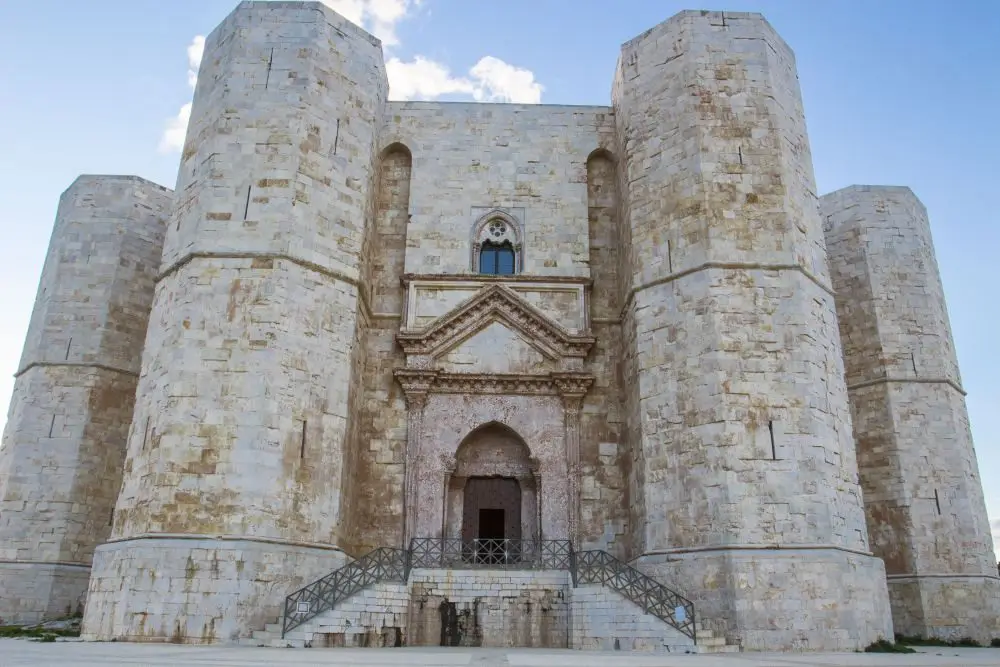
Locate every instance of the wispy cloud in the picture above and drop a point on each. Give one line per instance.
(172, 140)
(377, 16)
(489, 80)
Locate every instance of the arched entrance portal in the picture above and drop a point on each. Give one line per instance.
(492, 495)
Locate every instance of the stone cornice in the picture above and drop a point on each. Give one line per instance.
(737, 266)
(75, 364)
(419, 382)
(486, 278)
(905, 380)
(495, 303)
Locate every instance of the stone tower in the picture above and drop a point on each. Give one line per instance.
(923, 495)
(237, 470)
(64, 444)
(499, 330)
(744, 476)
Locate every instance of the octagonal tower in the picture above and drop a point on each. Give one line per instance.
(239, 464)
(744, 480)
(923, 493)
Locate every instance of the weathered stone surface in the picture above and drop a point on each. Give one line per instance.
(64, 444)
(923, 495)
(252, 363)
(331, 365)
(736, 404)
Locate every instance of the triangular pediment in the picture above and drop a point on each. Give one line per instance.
(491, 305)
(495, 348)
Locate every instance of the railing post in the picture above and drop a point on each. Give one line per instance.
(572, 564)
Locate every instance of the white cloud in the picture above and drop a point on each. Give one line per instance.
(498, 81)
(489, 80)
(196, 49)
(175, 131)
(378, 17)
(172, 140)
(424, 79)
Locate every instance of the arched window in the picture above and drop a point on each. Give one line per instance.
(496, 245)
(497, 258)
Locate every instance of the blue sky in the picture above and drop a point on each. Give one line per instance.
(900, 92)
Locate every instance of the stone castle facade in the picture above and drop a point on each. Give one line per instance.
(355, 322)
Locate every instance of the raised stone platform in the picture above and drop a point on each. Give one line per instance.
(489, 608)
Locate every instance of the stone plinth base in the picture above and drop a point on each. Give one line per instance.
(196, 591)
(489, 608)
(809, 599)
(33, 592)
(946, 607)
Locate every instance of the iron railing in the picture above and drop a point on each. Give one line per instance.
(305, 604)
(600, 567)
(438, 552)
(585, 567)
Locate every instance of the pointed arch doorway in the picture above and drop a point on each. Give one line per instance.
(492, 499)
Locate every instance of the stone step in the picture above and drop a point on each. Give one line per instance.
(711, 641)
(273, 627)
(728, 648)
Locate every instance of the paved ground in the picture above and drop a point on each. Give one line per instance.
(19, 652)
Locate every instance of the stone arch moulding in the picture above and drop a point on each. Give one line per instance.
(602, 152)
(489, 451)
(497, 225)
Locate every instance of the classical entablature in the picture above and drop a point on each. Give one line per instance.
(550, 384)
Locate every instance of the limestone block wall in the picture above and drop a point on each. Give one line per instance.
(64, 443)
(243, 426)
(737, 409)
(533, 163)
(382, 439)
(468, 159)
(923, 493)
(602, 619)
(603, 493)
(489, 608)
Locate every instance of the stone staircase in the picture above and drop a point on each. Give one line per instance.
(588, 600)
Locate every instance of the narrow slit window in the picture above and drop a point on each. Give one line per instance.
(497, 259)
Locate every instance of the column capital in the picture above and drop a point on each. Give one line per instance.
(416, 384)
(572, 387)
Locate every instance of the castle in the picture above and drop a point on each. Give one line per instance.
(356, 323)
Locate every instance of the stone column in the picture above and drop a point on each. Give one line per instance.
(415, 385)
(923, 495)
(64, 444)
(572, 402)
(743, 476)
(415, 403)
(241, 459)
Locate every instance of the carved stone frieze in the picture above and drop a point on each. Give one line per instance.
(495, 303)
(422, 381)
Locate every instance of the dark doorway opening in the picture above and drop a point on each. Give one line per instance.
(491, 524)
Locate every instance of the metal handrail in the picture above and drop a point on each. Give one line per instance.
(456, 553)
(305, 604)
(585, 567)
(600, 567)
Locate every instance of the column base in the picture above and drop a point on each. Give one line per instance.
(794, 599)
(35, 592)
(196, 590)
(946, 607)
